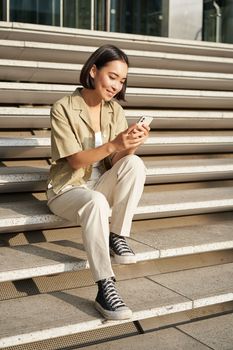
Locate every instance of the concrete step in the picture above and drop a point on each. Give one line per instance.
(158, 143)
(69, 312)
(38, 51)
(20, 179)
(169, 169)
(148, 242)
(29, 93)
(25, 147)
(62, 35)
(213, 333)
(182, 142)
(188, 168)
(38, 118)
(67, 73)
(28, 212)
(182, 119)
(24, 118)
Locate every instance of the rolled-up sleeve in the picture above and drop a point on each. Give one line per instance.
(64, 141)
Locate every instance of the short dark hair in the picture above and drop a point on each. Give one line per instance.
(100, 58)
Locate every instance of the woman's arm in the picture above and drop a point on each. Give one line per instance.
(84, 158)
(126, 141)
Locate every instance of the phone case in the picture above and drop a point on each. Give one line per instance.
(145, 120)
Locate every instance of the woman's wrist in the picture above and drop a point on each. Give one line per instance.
(111, 148)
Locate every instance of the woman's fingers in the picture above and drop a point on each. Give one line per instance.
(144, 128)
(136, 135)
(131, 128)
(137, 141)
(131, 138)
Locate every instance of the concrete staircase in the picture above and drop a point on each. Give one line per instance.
(181, 289)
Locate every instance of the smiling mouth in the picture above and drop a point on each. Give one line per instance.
(110, 93)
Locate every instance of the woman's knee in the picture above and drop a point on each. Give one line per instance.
(99, 201)
(135, 163)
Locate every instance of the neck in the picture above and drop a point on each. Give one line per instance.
(90, 98)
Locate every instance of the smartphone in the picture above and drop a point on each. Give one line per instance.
(145, 120)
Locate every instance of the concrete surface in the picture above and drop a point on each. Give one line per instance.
(167, 339)
(215, 332)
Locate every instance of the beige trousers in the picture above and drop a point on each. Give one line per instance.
(119, 188)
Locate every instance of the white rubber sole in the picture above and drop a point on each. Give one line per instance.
(123, 259)
(124, 313)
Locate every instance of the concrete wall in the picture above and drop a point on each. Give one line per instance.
(185, 19)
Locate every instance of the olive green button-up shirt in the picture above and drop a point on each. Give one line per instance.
(71, 132)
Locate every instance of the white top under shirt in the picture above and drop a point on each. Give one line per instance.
(97, 167)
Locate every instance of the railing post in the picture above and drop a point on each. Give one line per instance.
(92, 14)
(218, 21)
(7, 10)
(61, 13)
(108, 9)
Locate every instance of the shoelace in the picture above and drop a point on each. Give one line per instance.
(119, 245)
(111, 294)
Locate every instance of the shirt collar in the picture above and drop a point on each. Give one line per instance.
(78, 103)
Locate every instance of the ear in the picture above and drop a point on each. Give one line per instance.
(93, 71)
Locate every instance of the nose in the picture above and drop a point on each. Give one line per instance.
(116, 85)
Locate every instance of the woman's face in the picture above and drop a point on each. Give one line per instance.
(109, 79)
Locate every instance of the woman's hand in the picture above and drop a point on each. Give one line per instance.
(131, 138)
(141, 128)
